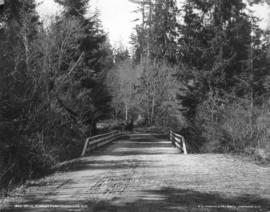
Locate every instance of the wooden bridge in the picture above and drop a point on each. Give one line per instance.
(143, 173)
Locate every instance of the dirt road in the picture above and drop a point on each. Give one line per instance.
(145, 173)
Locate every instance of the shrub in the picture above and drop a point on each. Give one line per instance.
(235, 127)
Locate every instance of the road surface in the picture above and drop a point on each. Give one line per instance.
(145, 173)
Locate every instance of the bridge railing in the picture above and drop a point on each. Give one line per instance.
(95, 142)
(179, 141)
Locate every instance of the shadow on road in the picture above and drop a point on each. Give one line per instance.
(170, 199)
(102, 165)
(163, 200)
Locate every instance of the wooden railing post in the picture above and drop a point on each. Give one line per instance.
(178, 141)
(85, 147)
(184, 146)
(99, 140)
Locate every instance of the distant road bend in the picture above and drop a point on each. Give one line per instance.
(143, 173)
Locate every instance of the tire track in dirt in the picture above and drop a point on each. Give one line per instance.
(113, 184)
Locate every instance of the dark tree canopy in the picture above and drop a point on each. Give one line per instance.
(74, 8)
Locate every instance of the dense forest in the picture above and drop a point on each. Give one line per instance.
(200, 67)
(51, 86)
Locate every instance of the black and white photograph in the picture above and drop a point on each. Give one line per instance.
(134, 105)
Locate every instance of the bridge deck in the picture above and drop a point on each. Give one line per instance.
(145, 173)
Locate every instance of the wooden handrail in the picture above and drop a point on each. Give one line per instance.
(94, 142)
(179, 141)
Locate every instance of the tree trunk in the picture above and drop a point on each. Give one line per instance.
(147, 107)
(153, 110)
(126, 110)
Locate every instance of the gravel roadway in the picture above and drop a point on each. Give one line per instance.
(145, 173)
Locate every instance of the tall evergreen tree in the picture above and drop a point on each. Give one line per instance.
(19, 92)
(92, 56)
(222, 44)
(156, 36)
(214, 40)
(74, 8)
(164, 31)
